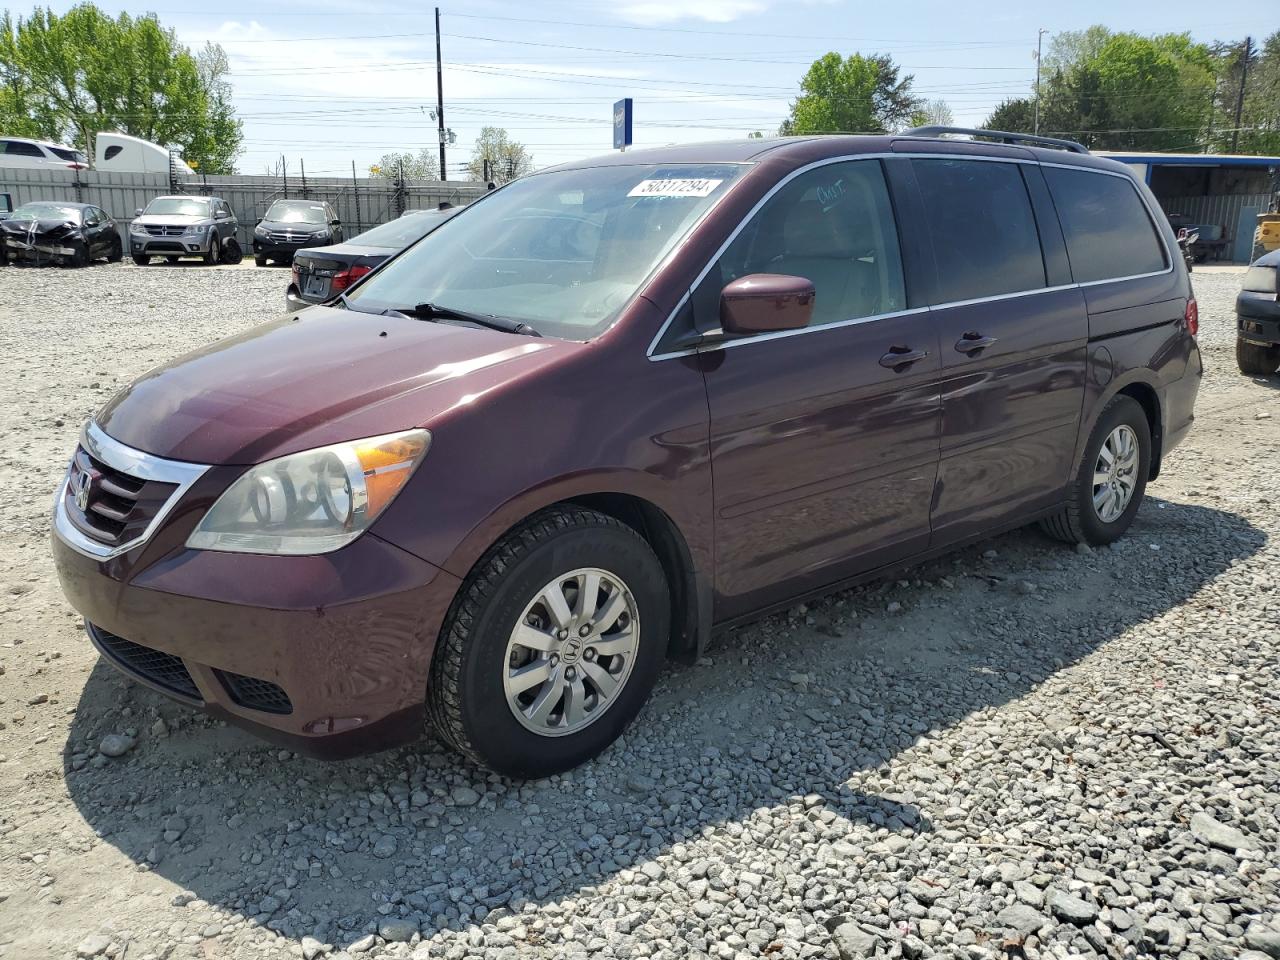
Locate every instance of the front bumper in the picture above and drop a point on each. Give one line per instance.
(344, 640)
(179, 246)
(276, 249)
(23, 250)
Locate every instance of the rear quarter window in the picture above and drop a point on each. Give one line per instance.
(1108, 230)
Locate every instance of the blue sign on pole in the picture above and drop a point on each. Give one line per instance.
(622, 124)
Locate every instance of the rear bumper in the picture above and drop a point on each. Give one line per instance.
(344, 639)
(1179, 401)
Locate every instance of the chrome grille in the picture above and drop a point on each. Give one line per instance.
(163, 231)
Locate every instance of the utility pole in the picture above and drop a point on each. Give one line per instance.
(1244, 76)
(444, 170)
(1039, 42)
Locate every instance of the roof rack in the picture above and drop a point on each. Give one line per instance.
(1000, 135)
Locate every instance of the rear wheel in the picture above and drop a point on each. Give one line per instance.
(171, 259)
(552, 645)
(1111, 479)
(1257, 360)
(141, 259)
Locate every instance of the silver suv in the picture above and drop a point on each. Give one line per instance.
(173, 227)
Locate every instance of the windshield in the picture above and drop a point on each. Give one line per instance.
(402, 231)
(563, 252)
(181, 206)
(47, 211)
(296, 211)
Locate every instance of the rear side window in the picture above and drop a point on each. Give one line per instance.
(112, 152)
(1109, 232)
(832, 225)
(984, 232)
(16, 148)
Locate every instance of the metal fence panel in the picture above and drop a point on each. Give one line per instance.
(361, 203)
(1222, 209)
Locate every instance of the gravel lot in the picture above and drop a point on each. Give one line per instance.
(1021, 750)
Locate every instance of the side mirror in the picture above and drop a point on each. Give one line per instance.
(335, 222)
(138, 212)
(258, 221)
(765, 303)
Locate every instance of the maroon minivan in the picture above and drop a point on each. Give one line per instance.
(614, 405)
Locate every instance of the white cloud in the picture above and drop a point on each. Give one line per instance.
(708, 11)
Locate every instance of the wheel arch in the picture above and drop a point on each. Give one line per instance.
(1147, 397)
(688, 578)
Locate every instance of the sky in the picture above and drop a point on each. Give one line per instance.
(332, 82)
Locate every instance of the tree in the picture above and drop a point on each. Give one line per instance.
(507, 158)
(1119, 91)
(755, 135)
(853, 94)
(67, 77)
(1260, 110)
(932, 113)
(419, 166)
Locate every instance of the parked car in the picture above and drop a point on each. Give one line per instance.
(22, 154)
(290, 225)
(182, 226)
(1258, 318)
(477, 488)
(322, 273)
(71, 234)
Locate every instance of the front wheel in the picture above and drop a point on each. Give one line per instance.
(1111, 479)
(1256, 359)
(215, 251)
(259, 260)
(552, 645)
(117, 252)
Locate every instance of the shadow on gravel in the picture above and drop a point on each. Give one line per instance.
(793, 708)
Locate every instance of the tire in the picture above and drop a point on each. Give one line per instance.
(171, 259)
(117, 252)
(1256, 360)
(231, 253)
(467, 696)
(215, 251)
(1081, 520)
(81, 257)
(141, 259)
(259, 260)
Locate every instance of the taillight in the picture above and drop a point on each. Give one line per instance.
(347, 277)
(296, 278)
(1192, 316)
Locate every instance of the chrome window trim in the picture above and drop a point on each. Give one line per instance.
(135, 463)
(881, 155)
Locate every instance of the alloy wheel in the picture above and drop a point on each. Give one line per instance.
(1115, 473)
(571, 652)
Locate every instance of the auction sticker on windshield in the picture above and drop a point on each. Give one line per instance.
(674, 188)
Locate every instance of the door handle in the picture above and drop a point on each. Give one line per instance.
(899, 358)
(972, 343)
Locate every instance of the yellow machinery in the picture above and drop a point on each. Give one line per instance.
(1267, 237)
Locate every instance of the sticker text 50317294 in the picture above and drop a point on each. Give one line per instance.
(674, 188)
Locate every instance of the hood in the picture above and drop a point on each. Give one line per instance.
(295, 226)
(317, 377)
(43, 225)
(170, 219)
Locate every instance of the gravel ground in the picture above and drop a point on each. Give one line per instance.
(1021, 750)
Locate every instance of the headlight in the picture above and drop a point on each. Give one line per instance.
(196, 228)
(320, 235)
(261, 231)
(137, 228)
(311, 502)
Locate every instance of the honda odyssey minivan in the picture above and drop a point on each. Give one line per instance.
(614, 405)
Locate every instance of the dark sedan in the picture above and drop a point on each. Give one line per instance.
(72, 234)
(290, 225)
(323, 273)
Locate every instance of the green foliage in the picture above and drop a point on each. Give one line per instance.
(67, 77)
(853, 94)
(508, 158)
(1260, 116)
(1119, 91)
(422, 165)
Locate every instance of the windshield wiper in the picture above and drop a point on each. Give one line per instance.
(434, 311)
